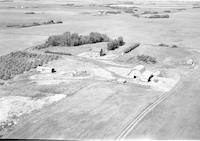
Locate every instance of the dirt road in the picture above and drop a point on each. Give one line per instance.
(177, 117)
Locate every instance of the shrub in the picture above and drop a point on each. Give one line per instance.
(147, 59)
(149, 12)
(113, 12)
(167, 11)
(163, 45)
(58, 22)
(196, 7)
(128, 11)
(29, 13)
(157, 16)
(120, 41)
(174, 46)
(136, 15)
(115, 43)
(112, 45)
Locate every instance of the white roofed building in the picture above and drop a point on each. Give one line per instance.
(136, 71)
(42, 69)
(146, 76)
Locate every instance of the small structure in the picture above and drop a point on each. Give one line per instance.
(122, 81)
(42, 69)
(147, 76)
(79, 73)
(136, 71)
(157, 73)
(102, 52)
(101, 13)
(190, 62)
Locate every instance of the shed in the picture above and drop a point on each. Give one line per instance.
(157, 73)
(136, 71)
(45, 69)
(146, 76)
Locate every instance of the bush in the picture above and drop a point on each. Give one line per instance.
(167, 11)
(120, 41)
(113, 12)
(157, 16)
(165, 45)
(196, 7)
(174, 46)
(129, 49)
(112, 45)
(115, 43)
(136, 15)
(29, 13)
(149, 12)
(147, 59)
(128, 11)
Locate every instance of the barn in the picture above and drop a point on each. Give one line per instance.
(146, 76)
(42, 69)
(136, 72)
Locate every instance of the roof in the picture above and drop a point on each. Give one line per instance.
(147, 74)
(139, 67)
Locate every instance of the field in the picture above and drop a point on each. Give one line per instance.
(94, 96)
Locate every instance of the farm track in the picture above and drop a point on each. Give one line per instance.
(133, 123)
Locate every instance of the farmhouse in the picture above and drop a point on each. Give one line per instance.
(45, 69)
(136, 71)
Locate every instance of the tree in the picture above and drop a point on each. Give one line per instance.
(120, 41)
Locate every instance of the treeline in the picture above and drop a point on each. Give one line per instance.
(74, 39)
(34, 24)
(20, 61)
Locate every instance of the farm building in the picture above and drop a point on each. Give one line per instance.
(147, 76)
(136, 71)
(45, 69)
(157, 73)
(79, 73)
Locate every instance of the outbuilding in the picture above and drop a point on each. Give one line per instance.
(136, 71)
(146, 76)
(42, 69)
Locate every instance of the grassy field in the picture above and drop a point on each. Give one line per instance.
(96, 99)
(133, 29)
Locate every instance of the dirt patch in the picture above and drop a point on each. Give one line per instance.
(12, 107)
